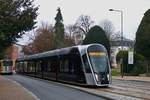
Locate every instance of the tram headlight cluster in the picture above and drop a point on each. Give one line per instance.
(108, 76)
(96, 76)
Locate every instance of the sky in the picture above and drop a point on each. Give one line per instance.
(98, 10)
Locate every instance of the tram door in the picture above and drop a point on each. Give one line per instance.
(80, 77)
(75, 67)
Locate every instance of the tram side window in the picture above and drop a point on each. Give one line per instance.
(22, 66)
(33, 66)
(7, 63)
(25, 65)
(29, 66)
(86, 64)
(61, 68)
(49, 66)
(53, 66)
(38, 66)
(45, 66)
(72, 66)
(64, 66)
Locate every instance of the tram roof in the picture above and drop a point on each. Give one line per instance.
(61, 51)
(56, 52)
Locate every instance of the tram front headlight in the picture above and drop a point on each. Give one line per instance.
(96, 76)
(108, 76)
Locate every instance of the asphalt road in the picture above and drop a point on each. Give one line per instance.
(45, 90)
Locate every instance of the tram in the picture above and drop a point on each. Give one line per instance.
(6, 66)
(83, 65)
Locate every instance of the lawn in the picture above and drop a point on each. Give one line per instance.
(115, 71)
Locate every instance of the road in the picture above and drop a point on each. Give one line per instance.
(46, 90)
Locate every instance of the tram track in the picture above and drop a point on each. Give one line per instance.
(137, 89)
(125, 92)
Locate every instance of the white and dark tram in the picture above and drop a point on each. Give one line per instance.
(83, 65)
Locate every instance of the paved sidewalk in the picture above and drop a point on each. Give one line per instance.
(10, 90)
(135, 78)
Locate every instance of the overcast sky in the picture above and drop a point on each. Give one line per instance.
(98, 10)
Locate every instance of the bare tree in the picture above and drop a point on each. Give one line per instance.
(43, 40)
(116, 36)
(45, 27)
(75, 33)
(68, 41)
(108, 27)
(29, 49)
(84, 23)
(71, 30)
(31, 35)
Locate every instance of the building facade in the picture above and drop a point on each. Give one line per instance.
(118, 45)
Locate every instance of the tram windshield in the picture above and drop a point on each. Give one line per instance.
(7, 63)
(98, 59)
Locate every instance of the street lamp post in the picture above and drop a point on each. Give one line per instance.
(121, 13)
